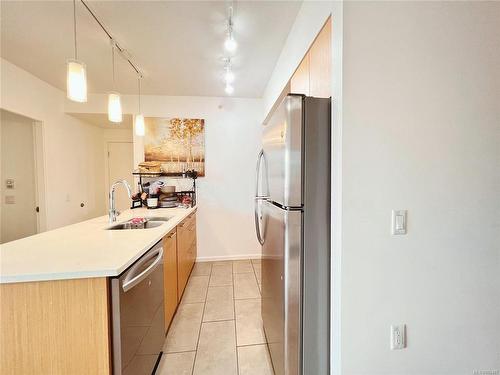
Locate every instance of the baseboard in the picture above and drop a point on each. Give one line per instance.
(228, 257)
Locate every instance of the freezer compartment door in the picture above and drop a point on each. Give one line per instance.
(282, 143)
(281, 287)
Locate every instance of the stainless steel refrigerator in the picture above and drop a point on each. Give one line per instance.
(292, 220)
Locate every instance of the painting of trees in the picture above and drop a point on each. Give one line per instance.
(178, 143)
(186, 130)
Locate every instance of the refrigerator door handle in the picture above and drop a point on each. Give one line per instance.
(257, 175)
(257, 226)
(258, 197)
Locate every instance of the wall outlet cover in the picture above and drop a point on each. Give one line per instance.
(398, 336)
(398, 222)
(10, 199)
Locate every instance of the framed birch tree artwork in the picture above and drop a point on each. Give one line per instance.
(177, 143)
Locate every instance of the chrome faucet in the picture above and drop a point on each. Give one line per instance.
(113, 212)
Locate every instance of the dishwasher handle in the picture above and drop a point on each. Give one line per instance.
(131, 279)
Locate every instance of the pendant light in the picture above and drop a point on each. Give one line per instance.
(114, 100)
(140, 128)
(76, 77)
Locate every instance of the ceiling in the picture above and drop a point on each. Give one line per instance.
(101, 120)
(177, 44)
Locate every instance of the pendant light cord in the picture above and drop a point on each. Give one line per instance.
(74, 28)
(113, 62)
(230, 21)
(139, 84)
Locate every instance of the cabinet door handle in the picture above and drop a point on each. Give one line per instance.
(173, 234)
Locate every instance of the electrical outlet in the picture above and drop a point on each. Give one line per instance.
(398, 337)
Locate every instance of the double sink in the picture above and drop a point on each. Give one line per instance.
(149, 222)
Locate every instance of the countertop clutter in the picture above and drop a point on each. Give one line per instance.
(85, 249)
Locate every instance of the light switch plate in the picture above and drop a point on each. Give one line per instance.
(398, 224)
(9, 183)
(10, 199)
(398, 336)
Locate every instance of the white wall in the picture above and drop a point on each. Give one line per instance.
(17, 159)
(73, 149)
(421, 131)
(232, 142)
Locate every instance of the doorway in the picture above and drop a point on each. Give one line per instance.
(21, 176)
(120, 156)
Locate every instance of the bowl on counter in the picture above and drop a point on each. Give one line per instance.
(168, 189)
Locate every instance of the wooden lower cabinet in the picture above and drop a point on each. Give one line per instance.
(179, 253)
(57, 327)
(170, 275)
(186, 251)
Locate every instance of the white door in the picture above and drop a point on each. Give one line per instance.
(120, 167)
(18, 184)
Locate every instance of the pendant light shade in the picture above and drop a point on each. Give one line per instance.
(114, 99)
(140, 128)
(114, 107)
(76, 81)
(76, 76)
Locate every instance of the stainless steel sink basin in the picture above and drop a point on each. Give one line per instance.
(158, 218)
(129, 225)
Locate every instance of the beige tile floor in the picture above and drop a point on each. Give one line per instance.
(217, 329)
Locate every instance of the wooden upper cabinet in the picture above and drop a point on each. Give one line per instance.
(313, 75)
(320, 62)
(299, 84)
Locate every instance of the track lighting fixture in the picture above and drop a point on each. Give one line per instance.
(230, 43)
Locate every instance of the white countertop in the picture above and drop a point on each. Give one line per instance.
(84, 249)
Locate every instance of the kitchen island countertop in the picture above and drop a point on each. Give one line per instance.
(85, 249)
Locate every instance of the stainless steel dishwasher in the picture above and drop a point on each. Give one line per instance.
(138, 322)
